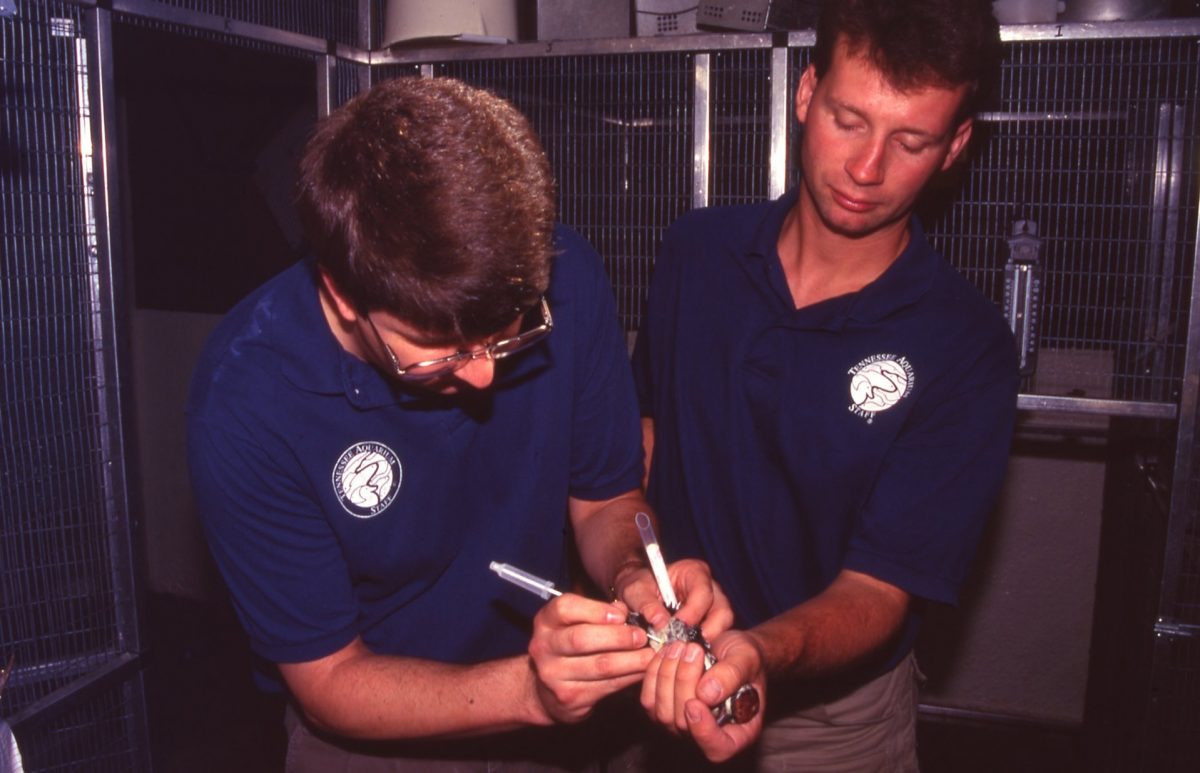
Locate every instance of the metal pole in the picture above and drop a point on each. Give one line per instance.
(701, 139)
(781, 107)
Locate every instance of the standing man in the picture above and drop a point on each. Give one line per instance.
(827, 404)
(443, 386)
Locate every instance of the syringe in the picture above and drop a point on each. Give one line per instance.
(657, 566)
(522, 579)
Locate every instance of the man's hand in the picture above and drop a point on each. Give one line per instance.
(679, 694)
(703, 602)
(582, 651)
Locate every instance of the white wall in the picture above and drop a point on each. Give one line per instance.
(165, 348)
(1018, 643)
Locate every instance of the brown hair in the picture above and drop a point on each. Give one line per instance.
(917, 43)
(433, 201)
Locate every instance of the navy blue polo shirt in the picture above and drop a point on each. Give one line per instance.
(339, 505)
(867, 432)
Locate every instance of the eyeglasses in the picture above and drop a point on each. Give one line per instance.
(426, 370)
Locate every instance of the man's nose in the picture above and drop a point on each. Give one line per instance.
(479, 372)
(866, 165)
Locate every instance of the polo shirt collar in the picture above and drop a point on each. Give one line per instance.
(312, 359)
(902, 284)
(765, 242)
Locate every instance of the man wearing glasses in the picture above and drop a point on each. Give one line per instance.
(444, 386)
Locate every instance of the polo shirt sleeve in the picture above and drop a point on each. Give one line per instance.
(922, 522)
(606, 441)
(275, 550)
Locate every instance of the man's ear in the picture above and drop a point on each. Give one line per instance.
(804, 93)
(958, 143)
(344, 308)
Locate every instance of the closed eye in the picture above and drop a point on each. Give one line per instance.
(913, 148)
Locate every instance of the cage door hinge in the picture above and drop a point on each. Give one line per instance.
(1173, 628)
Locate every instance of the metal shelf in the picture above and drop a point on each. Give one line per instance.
(1095, 406)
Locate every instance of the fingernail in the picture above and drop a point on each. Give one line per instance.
(708, 690)
(691, 653)
(673, 650)
(613, 617)
(693, 712)
(660, 620)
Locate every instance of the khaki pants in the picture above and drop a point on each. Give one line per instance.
(870, 729)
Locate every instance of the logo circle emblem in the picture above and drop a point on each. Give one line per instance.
(878, 383)
(367, 478)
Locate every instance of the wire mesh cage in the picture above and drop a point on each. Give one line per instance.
(617, 132)
(741, 129)
(336, 20)
(66, 604)
(1088, 142)
(97, 733)
(348, 80)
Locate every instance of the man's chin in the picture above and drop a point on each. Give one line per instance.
(850, 226)
(448, 386)
(444, 389)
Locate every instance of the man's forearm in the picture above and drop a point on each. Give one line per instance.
(607, 539)
(844, 625)
(370, 696)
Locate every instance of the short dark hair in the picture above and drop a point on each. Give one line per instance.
(431, 200)
(917, 43)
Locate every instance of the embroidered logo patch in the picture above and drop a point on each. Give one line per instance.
(366, 478)
(877, 383)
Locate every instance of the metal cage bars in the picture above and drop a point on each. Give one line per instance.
(68, 613)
